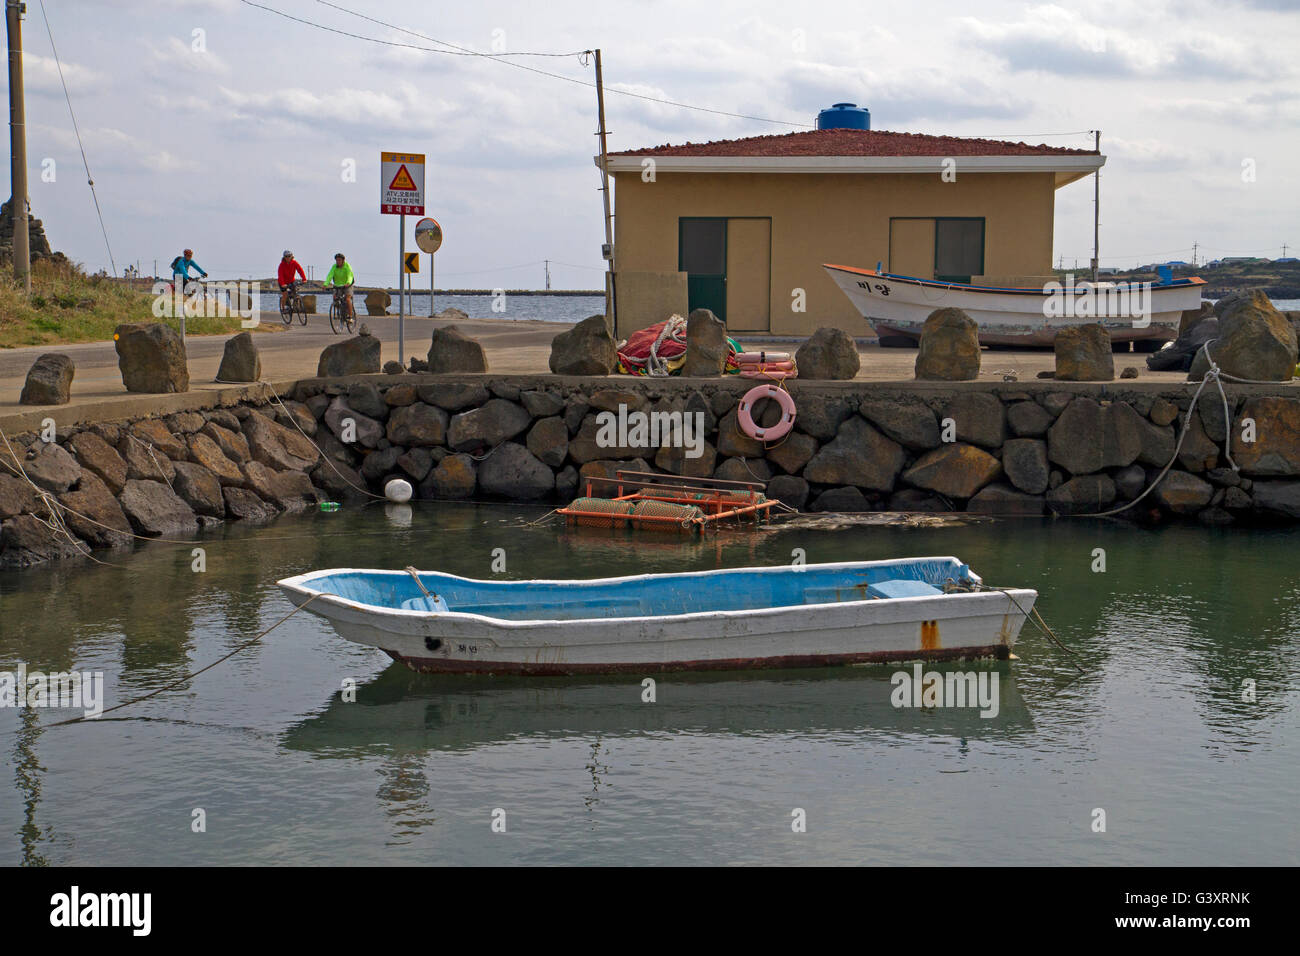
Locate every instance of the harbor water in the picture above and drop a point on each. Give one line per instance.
(1183, 728)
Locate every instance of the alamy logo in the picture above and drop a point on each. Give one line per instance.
(651, 430)
(212, 300)
(75, 908)
(1090, 301)
(62, 689)
(953, 689)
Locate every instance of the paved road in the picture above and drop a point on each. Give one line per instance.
(512, 346)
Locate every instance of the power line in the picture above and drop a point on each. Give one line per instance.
(459, 50)
(1081, 132)
(84, 162)
(498, 59)
(574, 265)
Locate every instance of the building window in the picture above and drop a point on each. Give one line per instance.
(958, 249)
(704, 246)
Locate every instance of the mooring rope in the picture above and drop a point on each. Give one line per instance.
(1037, 619)
(187, 677)
(1215, 374)
(55, 523)
(149, 448)
(289, 415)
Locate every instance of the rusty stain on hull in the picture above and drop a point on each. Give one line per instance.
(929, 635)
(429, 665)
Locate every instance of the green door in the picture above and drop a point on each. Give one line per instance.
(702, 255)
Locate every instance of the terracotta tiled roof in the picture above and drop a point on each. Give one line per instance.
(855, 142)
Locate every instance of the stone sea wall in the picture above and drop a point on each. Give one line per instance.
(1022, 449)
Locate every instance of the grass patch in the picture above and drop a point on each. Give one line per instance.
(68, 306)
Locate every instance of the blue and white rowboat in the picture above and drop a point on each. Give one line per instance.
(790, 616)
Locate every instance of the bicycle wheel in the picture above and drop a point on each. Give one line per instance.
(334, 308)
(301, 308)
(286, 313)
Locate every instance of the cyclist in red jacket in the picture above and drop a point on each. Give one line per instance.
(285, 275)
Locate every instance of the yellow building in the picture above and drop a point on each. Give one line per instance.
(743, 226)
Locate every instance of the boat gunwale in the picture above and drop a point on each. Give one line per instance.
(1004, 290)
(297, 584)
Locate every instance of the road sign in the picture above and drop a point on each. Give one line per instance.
(411, 261)
(428, 235)
(401, 184)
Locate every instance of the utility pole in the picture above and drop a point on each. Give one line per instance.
(1284, 250)
(14, 11)
(1195, 245)
(548, 271)
(1096, 207)
(401, 290)
(612, 308)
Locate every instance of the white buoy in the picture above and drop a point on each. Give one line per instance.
(399, 490)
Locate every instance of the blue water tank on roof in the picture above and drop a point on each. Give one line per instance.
(844, 116)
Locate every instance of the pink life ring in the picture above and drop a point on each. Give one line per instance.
(744, 412)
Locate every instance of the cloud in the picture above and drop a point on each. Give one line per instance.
(353, 108)
(1054, 40)
(900, 98)
(1150, 153)
(193, 57)
(110, 150)
(1050, 39)
(41, 75)
(1265, 109)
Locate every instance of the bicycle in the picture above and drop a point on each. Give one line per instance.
(292, 304)
(341, 309)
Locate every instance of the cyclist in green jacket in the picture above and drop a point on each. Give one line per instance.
(341, 278)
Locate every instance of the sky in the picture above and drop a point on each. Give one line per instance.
(221, 126)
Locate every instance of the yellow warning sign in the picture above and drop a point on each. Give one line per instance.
(402, 180)
(412, 262)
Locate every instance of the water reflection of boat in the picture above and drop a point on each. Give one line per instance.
(728, 619)
(403, 712)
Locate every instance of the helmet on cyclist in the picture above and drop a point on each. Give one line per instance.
(188, 252)
(339, 255)
(288, 254)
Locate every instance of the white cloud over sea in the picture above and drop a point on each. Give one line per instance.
(235, 139)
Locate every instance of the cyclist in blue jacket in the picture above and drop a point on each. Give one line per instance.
(181, 268)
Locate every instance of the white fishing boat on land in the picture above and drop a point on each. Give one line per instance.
(790, 616)
(897, 306)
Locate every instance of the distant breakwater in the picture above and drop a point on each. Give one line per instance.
(1008, 449)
